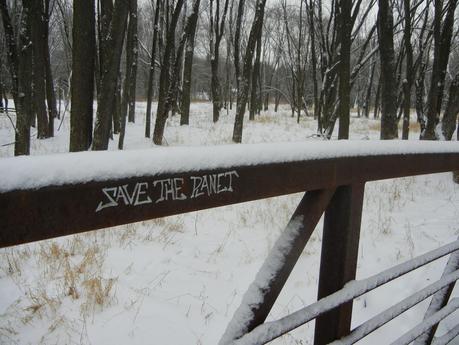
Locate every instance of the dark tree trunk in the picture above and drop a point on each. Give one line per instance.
(377, 100)
(152, 69)
(243, 89)
(127, 103)
(82, 90)
(113, 46)
(1, 91)
(50, 93)
(118, 109)
(39, 63)
(442, 48)
(366, 108)
(237, 42)
(313, 57)
(170, 99)
(227, 104)
(255, 79)
(104, 20)
(388, 91)
(20, 66)
(188, 64)
(133, 48)
(408, 82)
(217, 28)
(345, 68)
(164, 79)
(448, 124)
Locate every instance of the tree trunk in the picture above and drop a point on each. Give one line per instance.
(369, 89)
(50, 93)
(243, 89)
(104, 20)
(448, 124)
(237, 43)
(407, 83)
(129, 81)
(20, 63)
(39, 62)
(118, 109)
(164, 82)
(188, 64)
(133, 48)
(2, 88)
(152, 70)
(442, 48)
(388, 91)
(345, 68)
(313, 57)
(112, 51)
(82, 90)
(255, 79)
(217, 28)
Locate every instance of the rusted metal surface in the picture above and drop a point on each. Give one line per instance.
(338, 262)
(252, 313)
(31, 215)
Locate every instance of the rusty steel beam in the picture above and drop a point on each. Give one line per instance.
(262, 293)
(47, 212)
(338, 261)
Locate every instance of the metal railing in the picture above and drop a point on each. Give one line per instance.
(334, 186)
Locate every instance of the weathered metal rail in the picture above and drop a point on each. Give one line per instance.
(334, 185)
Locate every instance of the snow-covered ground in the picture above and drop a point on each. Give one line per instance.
(178, 280)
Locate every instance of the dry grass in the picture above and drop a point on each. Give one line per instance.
(99, 291)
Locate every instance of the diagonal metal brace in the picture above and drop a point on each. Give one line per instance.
(263, 292)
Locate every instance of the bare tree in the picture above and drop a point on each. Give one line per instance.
(83, 61)
(39, 63)
(386, 51)
(449, 120)
(164, 79)
(244, 84)
(151, 73)
(237, 41)
(442, 46)
(132, 47)
(20, 66)
(188, 64)
(408, 81)
(128, 97)
(50, 93)
(345, 68)
(113, 44)
(217, 28)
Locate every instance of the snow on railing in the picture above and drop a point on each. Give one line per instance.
(29, 172)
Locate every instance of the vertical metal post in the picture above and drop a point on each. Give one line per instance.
(338, 263)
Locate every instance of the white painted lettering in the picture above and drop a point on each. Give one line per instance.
(197, 182)
(110, 198)
(178, 183)
(230, 174)
(142, 190)
(220, 188)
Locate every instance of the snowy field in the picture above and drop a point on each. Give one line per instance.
(178, 280)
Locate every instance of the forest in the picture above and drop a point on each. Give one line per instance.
(391, 60)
